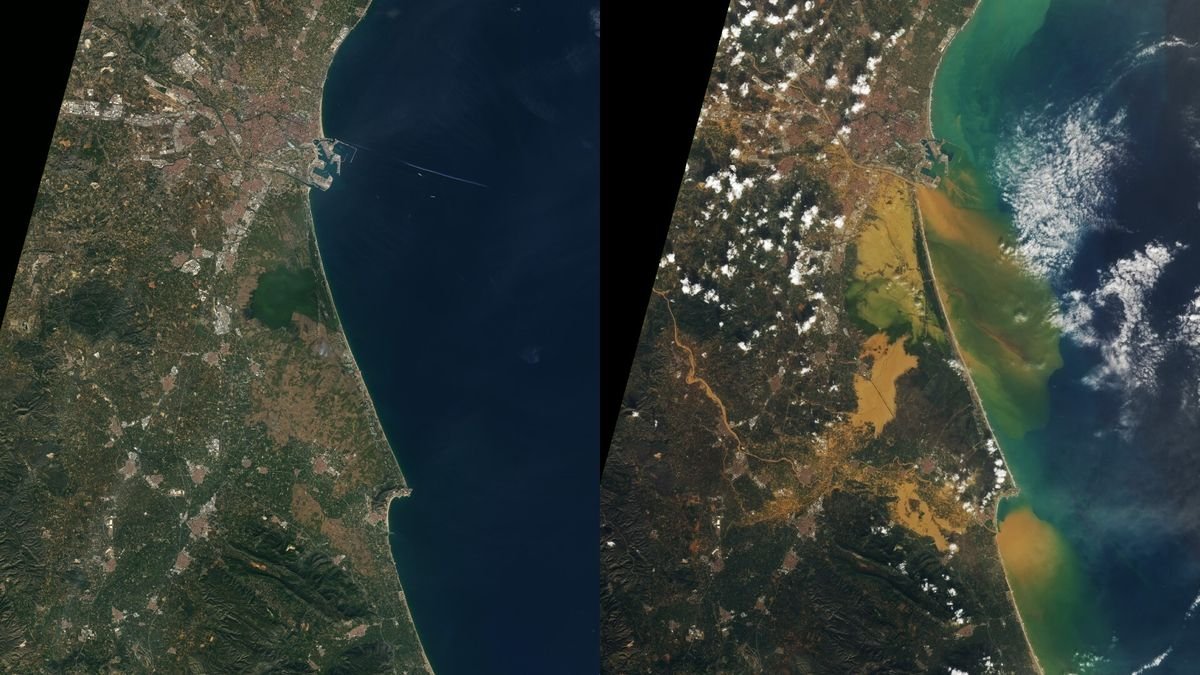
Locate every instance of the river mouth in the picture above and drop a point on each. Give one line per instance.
(1063, 239)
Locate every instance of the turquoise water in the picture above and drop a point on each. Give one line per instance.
(1066, 238)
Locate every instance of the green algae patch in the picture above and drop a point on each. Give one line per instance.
(282, 292)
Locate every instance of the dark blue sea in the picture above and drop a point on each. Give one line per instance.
(461, 245)
(1099, 163)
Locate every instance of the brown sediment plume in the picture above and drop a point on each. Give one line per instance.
(934, 215)
(1031, 548)
(996, 308)
(949, 222)
(1045, 581)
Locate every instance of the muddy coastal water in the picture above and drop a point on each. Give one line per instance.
(1065, 236)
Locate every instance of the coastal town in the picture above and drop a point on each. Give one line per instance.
(192, 481)
(800, 480)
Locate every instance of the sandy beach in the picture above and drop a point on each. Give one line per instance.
(928, 262)
(350, 361)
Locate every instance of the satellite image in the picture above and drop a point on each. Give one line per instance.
(460, 245)
(916, 389)
(194, 478)
(196, 474)
(300, 366)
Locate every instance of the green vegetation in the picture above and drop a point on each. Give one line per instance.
(186, 489)
(748, 523)
(282, 292)
(887, 288)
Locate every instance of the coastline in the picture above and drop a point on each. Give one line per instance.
(933, 78)
(350, 360)
(970, 380)
(1015, 489)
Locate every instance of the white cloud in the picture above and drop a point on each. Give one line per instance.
(1053, 171)
(1114, 318)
